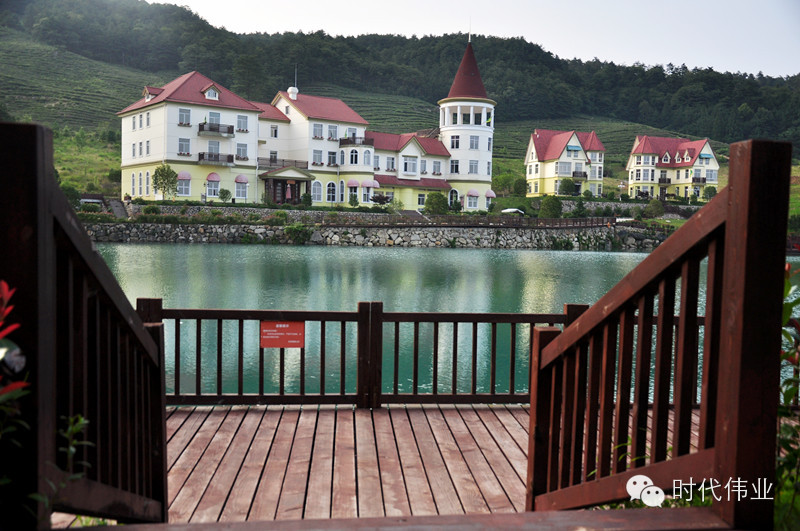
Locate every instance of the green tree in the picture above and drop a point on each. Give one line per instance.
(654, 209)
(353, 200)
(580, 209)
(224, 195)
(436, 204)
(550, 207)
(566, 187)
(166, 180)
(520, 187)
(709, 192)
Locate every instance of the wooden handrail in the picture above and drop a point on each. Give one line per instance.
(584, 388)
(88, 354)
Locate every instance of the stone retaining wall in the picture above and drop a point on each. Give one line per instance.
(601, 238)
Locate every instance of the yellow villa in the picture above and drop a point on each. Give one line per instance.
(553, 156)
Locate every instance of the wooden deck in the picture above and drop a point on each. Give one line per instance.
(236, 464)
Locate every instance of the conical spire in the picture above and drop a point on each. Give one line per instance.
(468, 82)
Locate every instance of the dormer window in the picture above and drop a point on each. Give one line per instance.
(148, 97)
(212, 94)
(665, 159)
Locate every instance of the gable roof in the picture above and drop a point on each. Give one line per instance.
(269, 112)
(659, 145)
(550, 144)
(468, 82)
(393, 142)
(189, 88)
(322, 108)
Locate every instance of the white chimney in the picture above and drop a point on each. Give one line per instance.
(293, 92)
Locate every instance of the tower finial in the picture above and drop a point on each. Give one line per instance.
(295, 74)
(469, 38)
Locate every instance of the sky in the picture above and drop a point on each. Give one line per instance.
(727, 35)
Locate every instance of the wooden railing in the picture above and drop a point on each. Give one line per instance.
(470, 221)
(87, 355)
(588, 380)
(370, 357)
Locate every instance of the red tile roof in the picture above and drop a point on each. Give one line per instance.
(393, 180)
(659, 145)
(323, 108)
(268, 112)
(188, 88)
(550, 144)
(468, 82)
(393, 142)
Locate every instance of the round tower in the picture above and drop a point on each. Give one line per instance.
(466, 123)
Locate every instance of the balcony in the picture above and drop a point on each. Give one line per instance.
(215, 159)
(579, 175)
(265, 163)
(698, 180)
(207, 129)
(664, 180)
(356, 141)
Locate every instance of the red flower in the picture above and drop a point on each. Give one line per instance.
(13, 387)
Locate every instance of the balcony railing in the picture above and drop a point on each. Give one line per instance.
(215, 129)
(356, 141)
(217, 159)
(664, 180)
(265, 163)
(579, 175)
(698, 180)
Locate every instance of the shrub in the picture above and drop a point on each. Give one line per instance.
(151, 209)
(587, 194)
(611, 195)
(73, 195)
(353, 200)
(566, 187)
(654, 209)
(224, 195)
(709, 192)
(90, 207)
(298, 233)
(551, 207)
(624, 197)
(436, 204)
(216, 213)
(139, 201)
(305, 199)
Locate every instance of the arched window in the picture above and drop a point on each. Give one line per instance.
(341, 189)
(140, 183)
(330, 195)
(367, 157)
(353, 156)
(316, 191)
(453, 196)
(147, 183)
(341, 158)
(133, 184)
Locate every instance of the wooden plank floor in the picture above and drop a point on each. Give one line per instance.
(316, 462)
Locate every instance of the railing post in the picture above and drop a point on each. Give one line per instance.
(158, 389)
(370, 340)
(573, 311)
(541, 381)
(749, 365)
(150, 310)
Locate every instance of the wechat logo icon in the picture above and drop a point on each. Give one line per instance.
(641, 488)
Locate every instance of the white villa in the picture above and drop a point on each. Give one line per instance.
(301, 143)
(555, 155)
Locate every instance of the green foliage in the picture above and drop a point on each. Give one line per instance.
(550, 207)
(624, 197)
(709, 192)
(611, 196)
(139, 201)
(298, 233)
(151, 209)
(654, 209)
(224, 195)
(353, 200)
(73, 195)
(305, 199)
(90, 207)
(587, 194)
(520, 187)
(166, 180)
(580, 209)
(566, 186)
(436, 204)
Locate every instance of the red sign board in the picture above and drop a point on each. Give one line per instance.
(283, 334)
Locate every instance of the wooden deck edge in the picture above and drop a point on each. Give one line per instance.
(633, 519)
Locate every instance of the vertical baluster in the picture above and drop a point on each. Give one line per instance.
(641, 400)
(661, 384)
(302, 371)
(177, 356)
(396, 356)
(555, 379)
(590, 431)
(607, 396)
(260, 371)
(623, 390)
(240, 368)
(435, 367)
(493, 363)
(567, 418)
(475, 358)
(282, 371)
(512, 369)
(219, 357)
(686, 363)
(416, 358)
(198, 346)
(322, 358)
(342, 350)
(579, 416)
(708, 400)
(454, 389)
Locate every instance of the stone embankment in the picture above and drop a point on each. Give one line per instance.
(600, 238)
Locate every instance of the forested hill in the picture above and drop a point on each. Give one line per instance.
(528, 82)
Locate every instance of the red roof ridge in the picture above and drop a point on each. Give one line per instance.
(322, 108)
(467, 82)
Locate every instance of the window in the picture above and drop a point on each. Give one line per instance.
(212, 94)
(147, 147)
(490, 143)
(420, 200)
(147, 183)
(212, 188)
(365, 194)
(473, 141)
(241, 122)
(341, 158)
(330, 194)
(536, 169)
(489, 169)
(472, 201)
(332, 159)
(133, 122)
(377, 162)
(711, 176)
(316, 157)
(184, 116)
(351, 132)
(389, 195)
(273, 156)
(563, 168)
(316, 191)
(184, 187)
(241, 151)
(241, 191)
(599, 189)
(477, 120)
(535, 187)
(213, 117)
(213, 146)
(488, 202)
(453, 197)
(638, 175)
(353, 191)
(273, 131)
(317, 130)
(341, 191)
(454, 141)
(140, 149)
(663, 174)
(473, 166)
(390, 163)
(593, 157)
(579, 167)
(333, 132)
(140, 121)
(353, 156)
(453, 166)
(645, 174)
(147, 119)
(488, 117)
(286, 110)
(455, 118)
(140, 183)
(666, 158)
(465, 118)
(367, 157)
(437, 167)
(133, 184)
(638, 160)
(423, 166)
(133, 150)
(409, 164)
